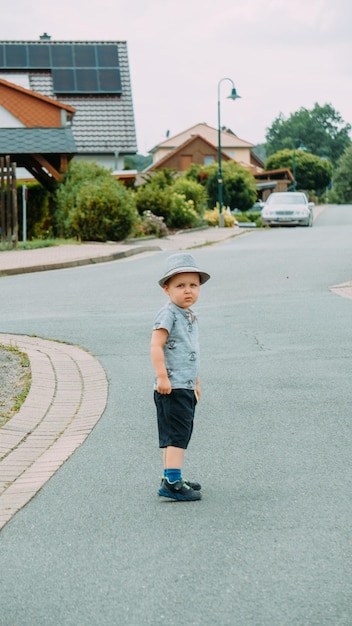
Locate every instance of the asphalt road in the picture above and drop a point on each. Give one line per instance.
(270, 542)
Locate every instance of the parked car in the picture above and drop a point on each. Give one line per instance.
(288, 208)
(257, 207)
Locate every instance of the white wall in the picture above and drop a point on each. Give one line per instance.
(7, 120)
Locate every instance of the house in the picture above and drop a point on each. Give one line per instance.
(35, 132)
(199, 144)
(91, 77)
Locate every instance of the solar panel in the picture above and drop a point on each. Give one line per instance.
(77, 68)
(16, 55)
(84, 56)
(86, 81)
(64, 81)
(38, 56)
(61, 55)
(107, 55)
(110, 81)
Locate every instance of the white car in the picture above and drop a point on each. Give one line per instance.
(288, 207)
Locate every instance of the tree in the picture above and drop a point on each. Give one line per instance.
(311, 172)
(343, 177)
(321, 130)
(137, 162)
(239, 188)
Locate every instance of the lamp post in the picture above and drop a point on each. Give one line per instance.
(233, 96)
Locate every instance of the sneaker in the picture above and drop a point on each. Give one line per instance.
(192, 485)
(180, 490)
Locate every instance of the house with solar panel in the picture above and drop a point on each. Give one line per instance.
(90, 82)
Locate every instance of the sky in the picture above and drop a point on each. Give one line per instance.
(280, 54)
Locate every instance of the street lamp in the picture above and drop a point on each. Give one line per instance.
(233, 96)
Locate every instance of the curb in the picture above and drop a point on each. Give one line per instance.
(66, 399)
(56, 265)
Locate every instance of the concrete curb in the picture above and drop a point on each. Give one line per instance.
(42, 267)
(67, 397)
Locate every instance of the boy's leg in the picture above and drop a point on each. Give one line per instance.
(173, 457)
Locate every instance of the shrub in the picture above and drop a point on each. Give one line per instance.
(104, 210)
(182, 213)
(194, 191)
(150, 224)
(212, 218)
(155, 199)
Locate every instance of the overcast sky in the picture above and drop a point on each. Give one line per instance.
(281, 55)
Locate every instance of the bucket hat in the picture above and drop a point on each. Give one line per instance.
(180, 263)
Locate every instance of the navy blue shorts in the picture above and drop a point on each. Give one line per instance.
(175, 413)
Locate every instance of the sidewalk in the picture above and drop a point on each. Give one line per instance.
(58, 257)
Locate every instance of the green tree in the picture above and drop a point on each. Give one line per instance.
(137, 162)
(239, 187)
(321, 130)
(312, 172)
(343, 177)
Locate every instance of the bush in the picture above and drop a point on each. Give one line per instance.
(104, 210)
(150, 224)
(182, 213)
(194, 191)
(155, 199)
(212, 218)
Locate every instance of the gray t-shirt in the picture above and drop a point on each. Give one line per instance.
(182, 345)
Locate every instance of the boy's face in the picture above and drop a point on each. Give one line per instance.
(183, 289)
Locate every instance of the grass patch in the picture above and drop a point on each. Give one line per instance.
(15, 381)
(34, 244)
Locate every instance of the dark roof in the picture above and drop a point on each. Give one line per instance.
(36, 140)
(103, 122)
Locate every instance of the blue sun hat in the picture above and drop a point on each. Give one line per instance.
(180, 263)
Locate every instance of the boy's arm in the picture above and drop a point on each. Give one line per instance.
(159, 338)
(198, 389)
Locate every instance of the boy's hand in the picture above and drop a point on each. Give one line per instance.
(163, 385)
(197, 390)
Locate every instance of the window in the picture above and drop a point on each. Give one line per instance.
(208, 160)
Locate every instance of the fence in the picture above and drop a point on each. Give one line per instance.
(8, 203)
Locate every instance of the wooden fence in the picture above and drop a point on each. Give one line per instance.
(8, 204)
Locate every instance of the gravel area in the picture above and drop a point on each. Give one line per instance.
(14, 375)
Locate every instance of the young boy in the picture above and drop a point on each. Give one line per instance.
(175, 358)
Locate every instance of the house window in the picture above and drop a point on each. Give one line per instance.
(208, 160)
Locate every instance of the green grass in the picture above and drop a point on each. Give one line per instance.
(34, 244)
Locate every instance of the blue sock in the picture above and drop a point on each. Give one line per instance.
(172, 475)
